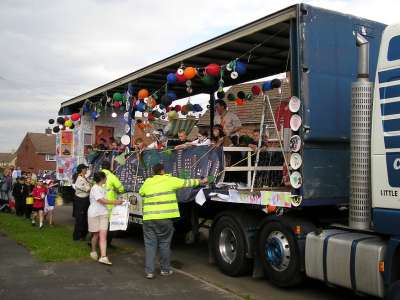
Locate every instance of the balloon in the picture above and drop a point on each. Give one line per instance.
(240, 67)
(151, 117)
(141, 106)
(276, 83)
(189, 106)
(190, 73)
(56, 129)
(184, 110)
(172, 95)
(239, 102)
(208, 80)
(231, 97)
(256, 90)
(117, 97)
(156, 113)
(197, 108)
(85, 108)
(221, 95)
(172, 115)
(178, 108)
(72, 126)
(143, 93)
(266, 86)
(166, 100)
(180, 78)
(75, 117)
(212, 70)
(171, 78)
(60, 121)
(94, 115)
(152, 102)
(51, 121)
(68, 123)
(241, 95)
(66, 119)
(249, 96)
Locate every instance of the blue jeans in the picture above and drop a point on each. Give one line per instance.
(157, 234)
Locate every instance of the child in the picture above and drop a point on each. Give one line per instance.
(50, 202)
(39, 193)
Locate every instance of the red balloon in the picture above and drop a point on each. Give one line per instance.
(168, 109)
(180, 78)
(66, 119)
(151, 117)
(75, 117)
(117, 104)
(213, 70)
(255, 90)
(178, 108)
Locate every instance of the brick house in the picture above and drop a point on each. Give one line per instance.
(37, 152)
(7, 160)
(250, 113)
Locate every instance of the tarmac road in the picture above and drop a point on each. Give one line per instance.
(192, 260)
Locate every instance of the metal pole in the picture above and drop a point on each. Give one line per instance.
(212, 111)
(259, 144)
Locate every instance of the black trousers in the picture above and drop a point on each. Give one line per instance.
(81, 218)
(19, 206)
(28, 211)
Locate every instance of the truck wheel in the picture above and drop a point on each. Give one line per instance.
(278, 252)
(230, 247)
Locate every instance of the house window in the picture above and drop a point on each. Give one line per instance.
(394, 48)
(50, 157)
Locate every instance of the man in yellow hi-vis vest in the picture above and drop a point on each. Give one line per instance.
(159, 207)
(113, 187)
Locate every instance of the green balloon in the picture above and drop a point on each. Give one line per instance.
(249, 96)
(231, 97)
(208, 80)
(117, 97)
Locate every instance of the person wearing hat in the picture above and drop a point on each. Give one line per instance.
(18, 194)
(81, 202)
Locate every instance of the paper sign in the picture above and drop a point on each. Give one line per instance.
(280, 199)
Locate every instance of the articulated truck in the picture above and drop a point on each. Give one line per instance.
(322, 199)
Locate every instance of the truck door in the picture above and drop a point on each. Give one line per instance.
(385, 139)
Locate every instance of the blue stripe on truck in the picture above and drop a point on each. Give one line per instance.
(389, 75)
(353, 260)
(390, 108)
(391, 125)
(392, 142)
(389, 92)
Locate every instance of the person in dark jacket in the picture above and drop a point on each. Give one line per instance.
(28, 188)
(18, 194)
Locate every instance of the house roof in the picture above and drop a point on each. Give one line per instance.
(43, 143)
(251, 112)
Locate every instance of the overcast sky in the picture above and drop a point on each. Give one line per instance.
(52, 50)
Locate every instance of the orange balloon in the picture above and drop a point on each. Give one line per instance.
(190, 73)
(239, 102)
(143, 93)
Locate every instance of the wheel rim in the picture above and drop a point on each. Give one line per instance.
(228, 245)
(277, 251)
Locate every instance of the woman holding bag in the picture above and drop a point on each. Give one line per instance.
(81, 202)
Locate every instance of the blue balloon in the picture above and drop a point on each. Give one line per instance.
(172, 95)
(240, 67)
(85, 108)
(171, 78)
(197, 108)
(141, 106)
(267, 86)
(94, 115)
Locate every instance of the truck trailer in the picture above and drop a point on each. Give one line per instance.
(337, 217)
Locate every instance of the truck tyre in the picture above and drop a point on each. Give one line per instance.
(229, 247)
(279, 254)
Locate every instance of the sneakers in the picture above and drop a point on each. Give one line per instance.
(104, 260)
(94, 255)
(41, 226)
(149, 276)
(166, 273)
(33, 223)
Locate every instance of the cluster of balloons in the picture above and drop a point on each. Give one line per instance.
(65, 122)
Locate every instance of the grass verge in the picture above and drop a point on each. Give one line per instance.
(50, 244)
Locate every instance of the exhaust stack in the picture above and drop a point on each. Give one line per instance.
(360, 181)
